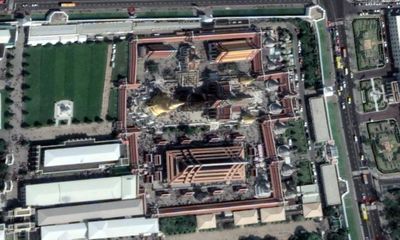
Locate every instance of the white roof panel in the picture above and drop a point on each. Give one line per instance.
(64, 232)
(330, 183)
(122, 228)
(82, 155)
(81, 191)
(79, 213)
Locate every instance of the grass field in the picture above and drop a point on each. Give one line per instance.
(326, 60)
(368, 43)
(304, 173)
(74, 72)
(121, 60)
(258, 12)
(385, 143)
(296, 132)
(113, 104)
(164, 14)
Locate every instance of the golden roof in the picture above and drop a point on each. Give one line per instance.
(246, 80)
(163, 104)
(248, 119)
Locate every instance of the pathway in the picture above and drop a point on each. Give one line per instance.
(107, 84)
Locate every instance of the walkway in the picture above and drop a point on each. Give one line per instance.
(107, 84)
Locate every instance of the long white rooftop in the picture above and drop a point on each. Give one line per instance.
(47, 194)
(82, 155)
(64, 232)
(122, 228)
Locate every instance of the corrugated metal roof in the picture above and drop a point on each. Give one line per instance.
(64, 232)
(79, 213)
(88, 190)
(122, 228)
(330, 183)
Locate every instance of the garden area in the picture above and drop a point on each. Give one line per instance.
(304, 173)
(259, 11)
(73, 72)
(295, 132)
(385, 142)
(373, 95)
(178, 225)
(310, 56)
(121, 60)
(368, 43)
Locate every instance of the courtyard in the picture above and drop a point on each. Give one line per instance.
(373, 95)
(72, 72)
(368, 43)
(385, 143)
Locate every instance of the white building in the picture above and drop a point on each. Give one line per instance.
(320, 122)
(112, 188)
(330, 183)
(101, 229)
(83, 212)
(122, 228)
(394, 28)
(66, 231)
(82, 155)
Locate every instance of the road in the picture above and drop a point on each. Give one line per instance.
(337, 12)
(104, 4)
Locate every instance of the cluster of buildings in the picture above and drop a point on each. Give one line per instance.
(83, 190)
(221, 82)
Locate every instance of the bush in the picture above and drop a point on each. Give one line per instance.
(178, 225)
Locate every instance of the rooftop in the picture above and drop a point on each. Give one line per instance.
(245, 217)
(124, 187)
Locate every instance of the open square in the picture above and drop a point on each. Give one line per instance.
(373, 95)
(385, 143)
(64, 72)
(368, 43)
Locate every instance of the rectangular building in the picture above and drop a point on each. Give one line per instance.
(233, 51)
(319, 118)
(83, 212)
(122, 228)
(65, 231)
(82, 155)
(205, 165)
(330, 184)
(98, 189)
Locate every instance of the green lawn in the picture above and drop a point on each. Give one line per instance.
(325, 53)
(178, 225)
(304, 174)
(121, 60)
(333, 111)
(74, 72)
(98, 15)
(296, 132)
(368, 43)
(164, 14)
(385, 142)
(258, 12)
(113, 104)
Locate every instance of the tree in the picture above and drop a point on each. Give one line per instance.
(25, 86)
(302, 234)
(9, 89)
(340, 234)
(26, 98)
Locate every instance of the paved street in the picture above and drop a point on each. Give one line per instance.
(341, 13)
